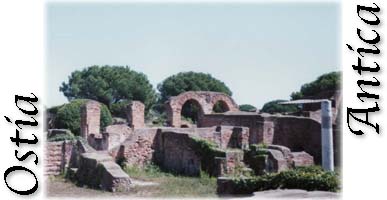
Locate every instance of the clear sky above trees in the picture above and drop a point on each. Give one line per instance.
(260, 51)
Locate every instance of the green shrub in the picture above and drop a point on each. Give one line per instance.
(69, 116)
(247, 108)
(119, 109)
(62, 137)
(308, 179)
(275, 107)
(208, 151)
(305, 178)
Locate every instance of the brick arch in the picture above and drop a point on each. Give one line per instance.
(205, 100)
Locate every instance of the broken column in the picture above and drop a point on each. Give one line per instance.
(90, 119)
(326, 136)
(136, 114)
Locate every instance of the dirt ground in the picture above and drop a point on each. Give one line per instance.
(59, 187)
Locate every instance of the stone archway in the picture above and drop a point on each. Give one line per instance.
(205, 100)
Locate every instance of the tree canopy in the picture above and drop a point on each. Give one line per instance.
(247, 108)
(190, 81)
(109, 85)
(274, 107)
(325, 83)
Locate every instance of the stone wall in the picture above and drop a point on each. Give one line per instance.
(275, 158)
(260, 129)
(99, 170)
(137, 149)
(136, 111)
(57, 156)
(177, 154)
(96, 169)
(90, 119)
(298, 134)
(303, 134)
(227, 136)
(140, 145)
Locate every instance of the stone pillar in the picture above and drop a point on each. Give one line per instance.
(326, 136)
(173, 115)
(90, 119)
(268, 132)
(262, 132)
(136, 111)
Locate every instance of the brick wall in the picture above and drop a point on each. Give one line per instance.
(140, 145)
(57, 156)
(260, 130)
(297, 133)
(303, 134)
(90, 119)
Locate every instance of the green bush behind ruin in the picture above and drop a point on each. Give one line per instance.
(69, 116)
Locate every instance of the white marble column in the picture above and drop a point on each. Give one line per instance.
(326, 136)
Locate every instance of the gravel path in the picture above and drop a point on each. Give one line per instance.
(294, 194)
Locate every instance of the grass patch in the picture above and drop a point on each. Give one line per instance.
(171, 185)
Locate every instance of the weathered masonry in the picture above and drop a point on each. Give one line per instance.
(218, 145)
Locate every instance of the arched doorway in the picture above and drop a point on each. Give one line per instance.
(191, 111)
(220, 107)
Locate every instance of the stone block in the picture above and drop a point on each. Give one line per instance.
(301, 159)
(98, 170)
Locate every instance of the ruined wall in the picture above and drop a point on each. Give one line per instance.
(260, 129)
(227, 136)
(96, 169)
(177, 154)
(137, 149)
(297, 133)
(136, 114)
(90, 119)
(99, 170)
(57, 156)
(141, 145)
(302, 134)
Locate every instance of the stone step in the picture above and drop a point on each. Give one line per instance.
(51, 173)
(51, 160)
(54, 153)
(52, 164)
(52, 168)
(57, 148)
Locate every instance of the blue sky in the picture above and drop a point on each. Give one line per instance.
(262, 51)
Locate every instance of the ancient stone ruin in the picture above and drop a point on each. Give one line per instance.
(233, 142)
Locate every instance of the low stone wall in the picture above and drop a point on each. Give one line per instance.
(96, 169)
(276, 158)
(57, 156)
(298, 134)
(99, 170)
